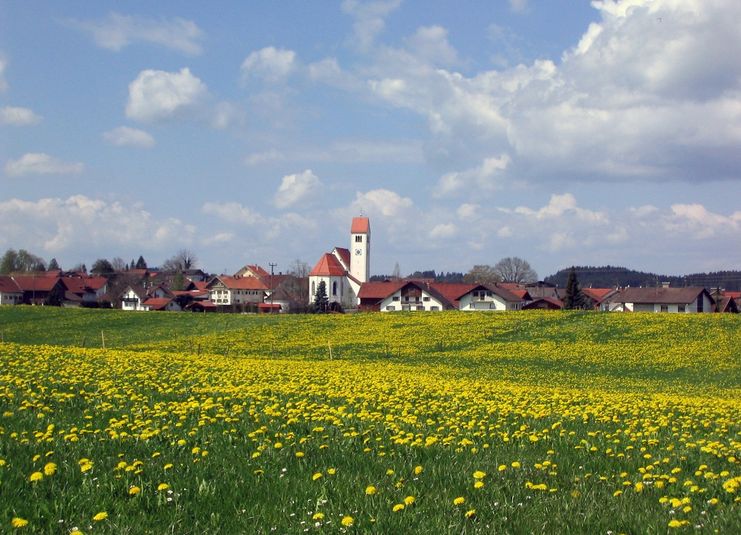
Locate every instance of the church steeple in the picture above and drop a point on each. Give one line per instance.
(360, 248)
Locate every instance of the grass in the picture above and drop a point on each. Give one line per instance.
(582, 423)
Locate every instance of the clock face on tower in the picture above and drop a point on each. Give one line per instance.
(358, 252)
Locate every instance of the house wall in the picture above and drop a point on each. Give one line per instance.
(690, 308)
(131, 301)
(426, 303)
(490, 302)
(11, 298)
(345, 295)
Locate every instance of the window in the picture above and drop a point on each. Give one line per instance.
(334, 288)
(358, 239)
(681, 308)
(420, 307)
(396, 298)
(664, 308)
(425, 298)
(390, 307)
(313, 287)
(700, 300)
(434, 308)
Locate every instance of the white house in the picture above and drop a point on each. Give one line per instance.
(224, 290)
(689, 300)
(343, 271)
(489, 297)
(133, 299)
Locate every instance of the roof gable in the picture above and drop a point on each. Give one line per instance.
(328, 265)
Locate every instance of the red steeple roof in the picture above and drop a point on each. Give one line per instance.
(328, 265)
(360, 225)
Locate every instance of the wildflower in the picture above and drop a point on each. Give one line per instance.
(318, 516)
(516, 464)
(18, 522)
(370, 490)
(331, 471)
(398, 507)
(409, 500)
(163, 486)
(167, 466)
(36, 476)
(347, 521)
(617, 493)
(50, 469)
(316, 476)
(133, 491)
(100, 516)
(478, 484)
(674, 523)
(638, 487)
(478, 474)
(460, 500)
(418, 470)
(502, 467)
(299, 454)
(471, 513)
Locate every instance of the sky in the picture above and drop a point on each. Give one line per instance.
(560, 131)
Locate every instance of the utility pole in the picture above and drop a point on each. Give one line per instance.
(272, 267)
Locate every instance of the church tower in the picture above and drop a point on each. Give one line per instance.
(360, 248)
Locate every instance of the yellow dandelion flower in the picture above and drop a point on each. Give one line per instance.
(390, 472)
(278, 445)
(167, 466)
(460, 500)
(713, 501)
(617, 493)
(299, 454)
(163, 486)
(418, 470)
(316, 476)
(347, 521)
(331, 471)
(638, 487)
(478, 484)
(318, 516)
(409, 500)
(478, 474)
(370, 490)
(502, 467)
(516, 464)
(100, 516)
(674, 523)
(50, 469)
(18, 522)
(133, 491)
(36, 476)
(398, 507)
(471, 513)
(75, 531)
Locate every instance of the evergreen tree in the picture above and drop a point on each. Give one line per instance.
(321, 301)
(102, 267)
(53, 265)
(574, 297)
(141, 264)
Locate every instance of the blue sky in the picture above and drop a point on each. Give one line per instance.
(561, 132)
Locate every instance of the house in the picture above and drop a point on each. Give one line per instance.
(224, 290)
(544, 303)
(594, 297)
(10, 292)
(491, 297)
(83, 289)
(403, 295)
(40, 288)
(688, 300)
(162, 303)
(343, 271)
(133, 298)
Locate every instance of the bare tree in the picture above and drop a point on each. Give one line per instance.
(482, 274)
(396, 274)
(299, 269)
(118, 264)
(183, 260)
(514, 269)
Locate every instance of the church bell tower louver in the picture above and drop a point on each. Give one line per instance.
(360, 249)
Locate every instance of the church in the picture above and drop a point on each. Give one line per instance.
(343, 271)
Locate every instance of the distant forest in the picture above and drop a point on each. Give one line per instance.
(611, 276)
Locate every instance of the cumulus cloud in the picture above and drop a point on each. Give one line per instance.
(17, 116)
(369, 18)
(125, 136)
(118, 31)
(3, 66)
(296, 188)
(156, 95)
(443, 231)
(518, 6)
(382, 202)
(39, 163)
(486, 176)
(232, 212)
(80, 223)
(698, 222)
(431, 44)
(269, 63)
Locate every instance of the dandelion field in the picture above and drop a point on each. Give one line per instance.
(446, 422)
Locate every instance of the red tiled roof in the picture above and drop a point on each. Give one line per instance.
(241, 283)
(551, 300)
(8, 285)
(157, 303)
(268, 306)
(74, 284)
(95, 283)
(597, 294)
(732, 295)
(200, 285)
(453, 291)
(30, 283)
(328, 265)
(344, 255)
(379, 290)
(258, 270)
(360, 225)
(680, 296)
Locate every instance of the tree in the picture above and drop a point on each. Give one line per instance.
(102, 267)
(321, 301)
(299, 269)
(140, 264)
(118, 264)
(178, 281)
(8, 262)
(482, 274)
(515, 269)
(574, 297)
(396, 274)
(20, 261)
(53, 265)
(183, 260)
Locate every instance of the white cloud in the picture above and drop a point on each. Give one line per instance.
(328, 71)
(443, 231)
(83, 224)
(700, 223)
(561, 205)
(296, 188)
(369, 18)
(39, 163)
(486, 177)
(269, 63)
(468, 211)
(518, 6)
(118, 31)
(431, 44)
(156, 95)
(3, 66)
(125, 136)
(232, 212)
(382, 202)
(17, 116)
